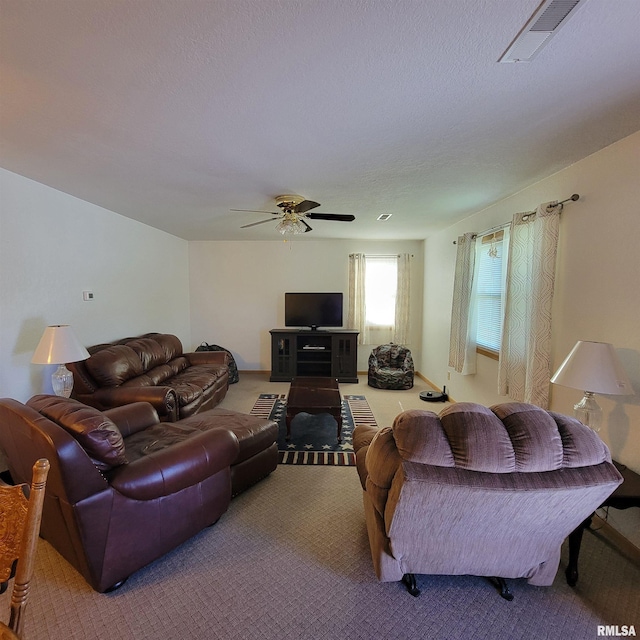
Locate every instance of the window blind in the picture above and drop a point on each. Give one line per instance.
(490, 289)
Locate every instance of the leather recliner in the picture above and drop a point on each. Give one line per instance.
(125, 488)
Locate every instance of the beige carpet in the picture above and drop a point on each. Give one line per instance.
(290, 559)
(386, 405)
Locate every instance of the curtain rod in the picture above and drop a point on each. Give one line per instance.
(574, 197)
(380, 255)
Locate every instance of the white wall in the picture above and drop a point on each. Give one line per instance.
(596, 295)
(237, 289)
(52, 247)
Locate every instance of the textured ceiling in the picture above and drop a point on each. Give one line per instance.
(173, 112)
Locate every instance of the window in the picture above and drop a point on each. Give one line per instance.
(380, 288)
(491, 261)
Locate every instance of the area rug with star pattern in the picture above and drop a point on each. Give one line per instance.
(313, 437)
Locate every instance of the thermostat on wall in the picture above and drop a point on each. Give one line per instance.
(87, 295)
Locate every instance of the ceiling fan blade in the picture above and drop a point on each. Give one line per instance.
(274, 213)
(253, 224)
(339, 217)
(306, 225)
(305, 205)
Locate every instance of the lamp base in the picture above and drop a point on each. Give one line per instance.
(588, 411)
(62, 381)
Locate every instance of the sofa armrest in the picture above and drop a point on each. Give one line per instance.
(163, 399)
(131, 418)
(381, 464)
(362, 436)
(208, 357)
(176, 467)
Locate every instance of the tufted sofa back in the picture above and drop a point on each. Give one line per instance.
(507, 438)
(149, 360)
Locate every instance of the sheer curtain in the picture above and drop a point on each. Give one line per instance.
(357, 310)
(524, 367)
(462, 340)
(403, 293)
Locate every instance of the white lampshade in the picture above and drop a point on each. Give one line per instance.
(59, 345)
(595, 367)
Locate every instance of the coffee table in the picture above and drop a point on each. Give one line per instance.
(314, 395)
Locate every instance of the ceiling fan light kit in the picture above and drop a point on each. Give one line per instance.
(294, 210)
(291, 225)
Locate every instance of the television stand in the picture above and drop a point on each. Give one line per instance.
(313, 352)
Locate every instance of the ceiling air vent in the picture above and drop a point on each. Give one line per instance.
(544, 23)
(384, 216)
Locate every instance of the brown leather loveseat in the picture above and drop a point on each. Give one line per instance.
(125, 488)
(151, 368)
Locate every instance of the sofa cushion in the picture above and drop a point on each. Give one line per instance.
(478, 438)
(114, 365)
(156, 438)
(537, 444)
(582, 447)
(190, 383)
(169, 343)
(186, 392)
(178, 364)
(158, 375)
(419, 437)
(95, 433)
(254, 434)
(149, 351)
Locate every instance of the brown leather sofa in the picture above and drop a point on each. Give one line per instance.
(478, 491)
(151, 368)
(125, 488)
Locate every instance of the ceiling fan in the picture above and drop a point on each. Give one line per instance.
(294, 213)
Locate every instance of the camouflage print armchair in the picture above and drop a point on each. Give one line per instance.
(391, 367)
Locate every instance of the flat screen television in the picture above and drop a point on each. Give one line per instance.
(313, 310)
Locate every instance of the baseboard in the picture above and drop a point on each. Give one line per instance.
(360, 373)
(605, 532)
(425, 379)
(432, 385)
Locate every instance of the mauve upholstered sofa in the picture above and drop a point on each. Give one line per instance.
(478, 491)
(151, 368)
(125, 488)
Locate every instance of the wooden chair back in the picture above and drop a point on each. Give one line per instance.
(19, 528)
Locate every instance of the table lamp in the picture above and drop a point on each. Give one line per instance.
(59, 345)
(593, 367)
